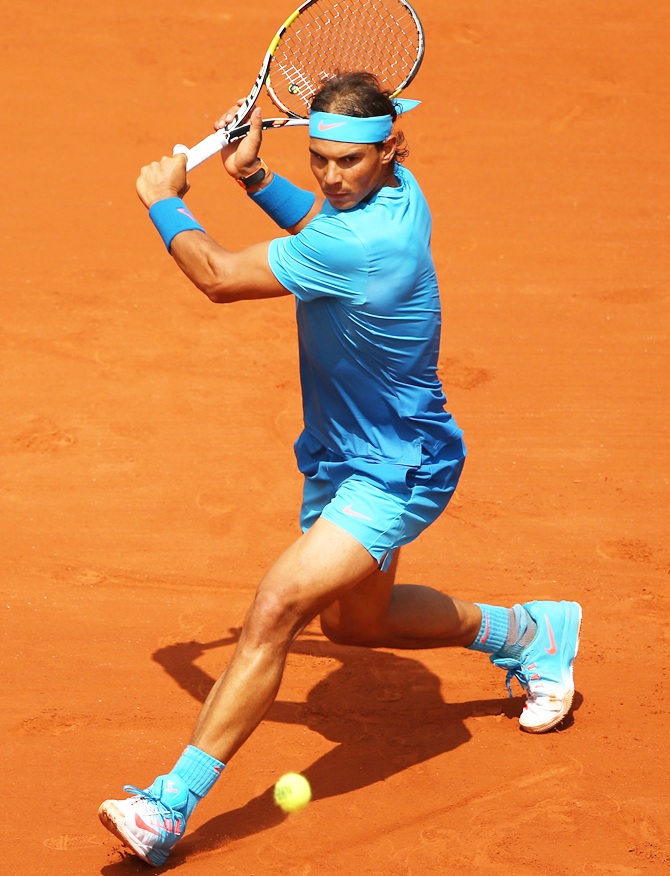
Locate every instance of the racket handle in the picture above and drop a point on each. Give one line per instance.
(203, 150)
(216, 141)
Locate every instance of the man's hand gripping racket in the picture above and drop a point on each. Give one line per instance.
(319, 39)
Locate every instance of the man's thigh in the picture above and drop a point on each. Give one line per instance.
(363, 607)
(320, 567)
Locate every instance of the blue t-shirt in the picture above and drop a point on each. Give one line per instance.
(368, 313)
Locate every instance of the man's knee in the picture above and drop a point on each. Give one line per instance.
(273, 616)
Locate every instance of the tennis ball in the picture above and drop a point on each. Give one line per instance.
(292, 792)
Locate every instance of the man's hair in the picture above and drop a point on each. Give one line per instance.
(360, 95)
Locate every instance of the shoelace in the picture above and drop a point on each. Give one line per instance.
(517, 672)
(162, 808)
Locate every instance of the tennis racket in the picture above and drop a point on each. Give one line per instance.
(319, 39)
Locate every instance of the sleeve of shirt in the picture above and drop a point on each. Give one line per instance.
(326, 258)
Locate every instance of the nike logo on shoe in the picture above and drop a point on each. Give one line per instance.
(141, 823)
(552, 649)
(169, 825)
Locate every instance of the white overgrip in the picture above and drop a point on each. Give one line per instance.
(203, 150)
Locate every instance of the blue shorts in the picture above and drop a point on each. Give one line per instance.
(382, 505)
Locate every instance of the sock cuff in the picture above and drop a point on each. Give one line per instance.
(493, 629)
(522, 629)
(199, 770)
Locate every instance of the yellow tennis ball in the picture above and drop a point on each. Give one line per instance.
(292, 792)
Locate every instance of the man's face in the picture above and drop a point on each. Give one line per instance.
(348, 172)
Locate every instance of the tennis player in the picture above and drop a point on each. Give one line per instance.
(379, 453)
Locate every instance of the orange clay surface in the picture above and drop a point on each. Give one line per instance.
(147, 476)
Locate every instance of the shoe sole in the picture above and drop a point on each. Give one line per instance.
(568, 698)
(114, 820)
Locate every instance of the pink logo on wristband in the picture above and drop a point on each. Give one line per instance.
(186, 213)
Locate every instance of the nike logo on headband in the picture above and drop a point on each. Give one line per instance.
(323, 127)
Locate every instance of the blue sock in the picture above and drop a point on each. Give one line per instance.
(199, 771)
(522, 629)
(493, 630)
(506, 632)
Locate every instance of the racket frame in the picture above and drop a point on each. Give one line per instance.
(236, 128)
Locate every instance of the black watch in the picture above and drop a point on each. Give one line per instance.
(248, 182)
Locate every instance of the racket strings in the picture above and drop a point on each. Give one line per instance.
(333, 36)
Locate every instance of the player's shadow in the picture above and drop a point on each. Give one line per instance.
(384, 711)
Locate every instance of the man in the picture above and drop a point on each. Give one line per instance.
(379, 453)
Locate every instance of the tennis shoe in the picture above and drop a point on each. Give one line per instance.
(151, 821)
(545, 668)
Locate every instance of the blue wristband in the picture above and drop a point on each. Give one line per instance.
(283, 202)
(171, 216)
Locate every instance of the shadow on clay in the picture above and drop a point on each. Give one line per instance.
(385, 712)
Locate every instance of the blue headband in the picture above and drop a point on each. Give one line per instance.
(349, 129)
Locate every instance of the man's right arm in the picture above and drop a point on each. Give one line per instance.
(225, 276)
(221, 274)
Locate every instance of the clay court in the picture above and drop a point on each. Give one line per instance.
(147, 477)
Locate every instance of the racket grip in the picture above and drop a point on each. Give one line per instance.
(203, 150)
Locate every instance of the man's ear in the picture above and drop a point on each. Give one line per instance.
(388, 149)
